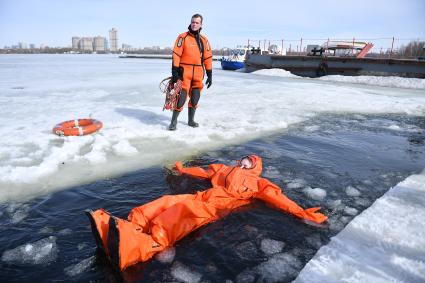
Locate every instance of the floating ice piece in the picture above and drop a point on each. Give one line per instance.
(271, 172)
(295, 184)
(316, 193)
(17, 212)
(246, 276)
(352, 192)
(80, 267)
(314, 241)
(350, 210)
(182, 273)
(43, 251)
(269, 246)
(166, 256)
(246, 250)
(65, 232)
(278, 268)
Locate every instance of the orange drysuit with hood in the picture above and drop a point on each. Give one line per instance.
(159, 224)
(192, 59)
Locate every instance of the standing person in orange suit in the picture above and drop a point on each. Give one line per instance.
(192, 56)
(152, 227)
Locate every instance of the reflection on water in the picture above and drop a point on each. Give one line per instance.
(342, 163)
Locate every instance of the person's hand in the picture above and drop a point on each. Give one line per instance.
(313, 215)
(175, 74)
(178, 166)
(208, 82)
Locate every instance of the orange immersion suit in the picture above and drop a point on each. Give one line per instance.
(159, 224)
(192, 59)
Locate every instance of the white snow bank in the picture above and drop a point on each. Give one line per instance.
(275, 72)
(43, 252)
(378, 81)
(391, 81)
(385, 243)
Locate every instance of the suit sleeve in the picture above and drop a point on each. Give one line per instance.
(272, 195)
(198, 171)
(178, 50)
(208, 55)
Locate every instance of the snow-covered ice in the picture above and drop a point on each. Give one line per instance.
(37, 92)
(385, 243)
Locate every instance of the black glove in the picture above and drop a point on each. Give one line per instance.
(176, 73)
(208, 82)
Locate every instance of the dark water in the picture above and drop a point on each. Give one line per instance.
(368, 153)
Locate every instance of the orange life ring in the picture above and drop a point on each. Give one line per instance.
(77, 127)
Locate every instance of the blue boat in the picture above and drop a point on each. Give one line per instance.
(231, 65)
(235, 60)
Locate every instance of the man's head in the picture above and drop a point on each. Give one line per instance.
(247, 162)
(196, 22)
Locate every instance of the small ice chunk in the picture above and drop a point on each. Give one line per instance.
(269, 246)
(43, 251)
(362, 202)
(335, 224)
(246, 276)
(314, 241)
(17, 212)
(316, 193)
(336, 204)
(81, 246)
(79, 267)
(246, 250)
(182, 273)
(65, 232)
(350, 210)
(345, 219)
(296, 184)
(166, 256)
(352, 192)
(46, 230)
(271, 172)
(278, 268)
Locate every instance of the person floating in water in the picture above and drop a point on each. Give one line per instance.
(192, 56)
(159, 224)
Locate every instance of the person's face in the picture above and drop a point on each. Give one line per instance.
(246, 163)
(195, 24)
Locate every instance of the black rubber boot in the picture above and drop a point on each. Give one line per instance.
(173, 124)
(192, 122)
(114, 244)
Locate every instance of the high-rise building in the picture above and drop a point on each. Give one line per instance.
(113, 40)
(75, 42)
(86, 44)
(99, 44)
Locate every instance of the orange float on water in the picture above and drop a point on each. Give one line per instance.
(77, 127)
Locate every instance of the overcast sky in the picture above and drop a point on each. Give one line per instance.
(226, 23)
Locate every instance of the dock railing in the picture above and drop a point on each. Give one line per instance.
(386, 47)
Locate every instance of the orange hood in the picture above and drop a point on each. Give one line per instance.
(258, 165)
